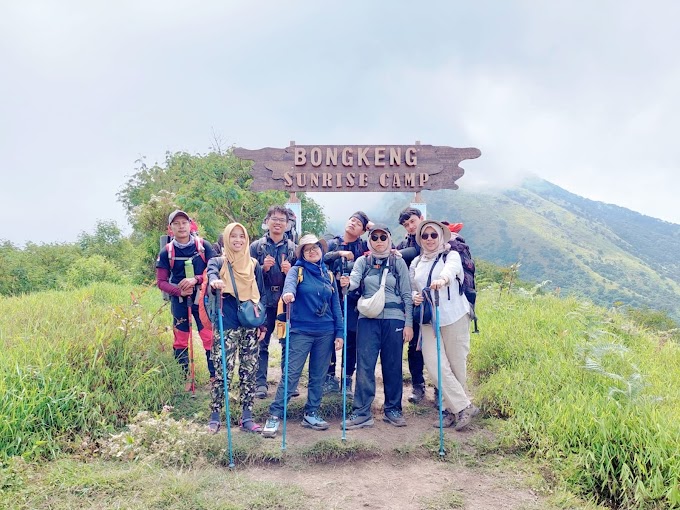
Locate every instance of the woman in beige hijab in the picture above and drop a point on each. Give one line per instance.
(249, 286)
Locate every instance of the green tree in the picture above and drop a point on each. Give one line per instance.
(108, 241)
(213, 188)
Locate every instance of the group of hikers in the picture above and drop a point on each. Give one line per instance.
(390, 293)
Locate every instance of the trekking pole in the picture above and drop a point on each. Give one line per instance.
(226, 388)
(285, 377)
(344, 353)
(439, 373)
(474, 318)
(192, 366)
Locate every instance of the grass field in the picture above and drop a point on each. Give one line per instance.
(579, 388)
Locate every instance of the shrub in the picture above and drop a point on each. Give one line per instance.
(95, 268)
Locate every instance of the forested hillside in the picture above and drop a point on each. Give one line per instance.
(604, 252)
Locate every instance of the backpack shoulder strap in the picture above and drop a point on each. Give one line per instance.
(170, 248)
(300, 275)
(259, 247)
(200, 247)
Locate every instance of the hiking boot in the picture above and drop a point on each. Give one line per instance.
(271, 426)
(261, 391)
(330, 385)
(417, 393)
(465, 416)
(348, 387)
(314, 421)
(358, 422)
(395, 418)
(448, 420)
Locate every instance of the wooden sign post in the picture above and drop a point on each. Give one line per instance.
(320, 168)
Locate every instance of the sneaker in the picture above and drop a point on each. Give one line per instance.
(465, 416)
(261, 391)
(348, 389)
(330, 385)
(271, 426)
(295, 393)
(395, 418)
(417, 393)
(448, 420)
(314, 421)
(358, 422)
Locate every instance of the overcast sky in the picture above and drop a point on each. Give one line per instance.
(581, 93)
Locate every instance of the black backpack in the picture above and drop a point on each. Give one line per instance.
(468, 284)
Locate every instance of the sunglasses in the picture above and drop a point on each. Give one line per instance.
(382, 237)
(433, 235)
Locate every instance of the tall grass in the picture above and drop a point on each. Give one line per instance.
(586, 390)
(79, 363)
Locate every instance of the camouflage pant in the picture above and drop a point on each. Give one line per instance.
(245, 342)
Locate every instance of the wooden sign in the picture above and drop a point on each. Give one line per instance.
(357, 167)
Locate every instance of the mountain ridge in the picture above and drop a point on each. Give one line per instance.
(604, 252)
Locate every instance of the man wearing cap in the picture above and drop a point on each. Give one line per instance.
(345, 250)
(410, 218)
(275, 253)
(171, 278)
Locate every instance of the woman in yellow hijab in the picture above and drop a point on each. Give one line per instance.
(247, 275)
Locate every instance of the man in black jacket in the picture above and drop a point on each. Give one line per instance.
(276, 254)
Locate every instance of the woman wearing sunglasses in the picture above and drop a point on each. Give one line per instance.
(442, 270)
(383, 334)
(315, 331)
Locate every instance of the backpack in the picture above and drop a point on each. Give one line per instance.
(370, 262)
(166, 241)
(467, 286)
(280, 323)
(260, 249)
(330, 275)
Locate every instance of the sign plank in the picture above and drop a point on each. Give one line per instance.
(357, 167)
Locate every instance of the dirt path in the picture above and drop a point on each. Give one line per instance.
(388, 484)
(403, 469)
(403, 474)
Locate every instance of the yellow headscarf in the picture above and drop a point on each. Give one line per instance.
(242, 266)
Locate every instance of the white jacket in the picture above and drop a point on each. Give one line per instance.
(450, 310)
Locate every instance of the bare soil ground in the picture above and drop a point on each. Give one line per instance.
(404, 470)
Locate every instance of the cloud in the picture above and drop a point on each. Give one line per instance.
(581, 94)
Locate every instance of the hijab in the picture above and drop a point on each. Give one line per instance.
(242, 266)
(388, 247)
(431, 255)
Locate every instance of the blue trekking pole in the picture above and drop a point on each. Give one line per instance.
(285, 377)
(344, 353)
(226, 388)
(439, 373)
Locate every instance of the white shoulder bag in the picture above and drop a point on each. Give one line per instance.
(373, 306)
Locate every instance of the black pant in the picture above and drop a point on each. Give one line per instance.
(415, 358)
(351, 355)
(263, 362)
(384, 338)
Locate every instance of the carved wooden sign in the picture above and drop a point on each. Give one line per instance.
(357, 167)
